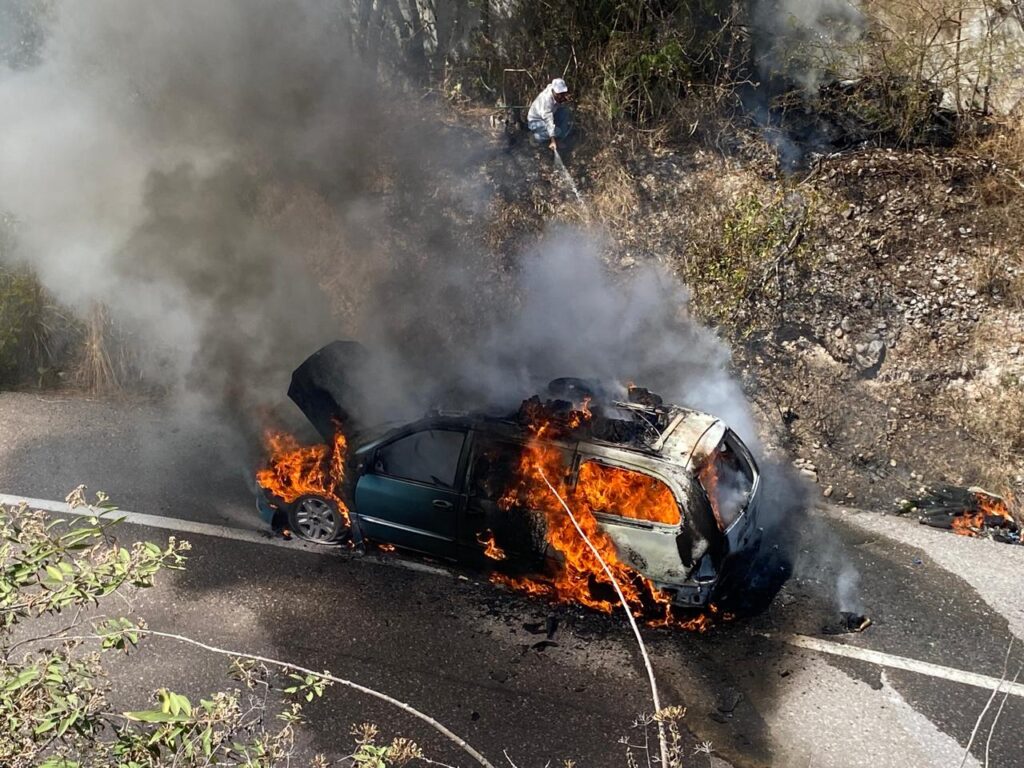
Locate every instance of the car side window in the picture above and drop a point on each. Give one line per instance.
(495, 468)
(626, 493)
(431, 457)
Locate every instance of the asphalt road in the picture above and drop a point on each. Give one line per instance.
(459, 649)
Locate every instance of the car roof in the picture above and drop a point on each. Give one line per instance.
(689, 436)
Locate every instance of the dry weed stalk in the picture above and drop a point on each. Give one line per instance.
(106, 363)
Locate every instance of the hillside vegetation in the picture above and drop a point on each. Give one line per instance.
(841, 187)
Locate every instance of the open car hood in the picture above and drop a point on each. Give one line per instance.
(333, 387)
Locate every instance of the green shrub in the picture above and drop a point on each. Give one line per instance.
(27, 324)
(760, 246)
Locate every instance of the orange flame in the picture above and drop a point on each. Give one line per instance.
(626, 493)
(294, 470)
(579, 577)
(708, 475)
(491, 548)
(971, 523)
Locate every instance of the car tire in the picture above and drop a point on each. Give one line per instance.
(316, 519)
(755, 581)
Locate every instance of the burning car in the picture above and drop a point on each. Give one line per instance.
(669, 496)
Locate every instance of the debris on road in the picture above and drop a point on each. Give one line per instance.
(967, 512)
(847, 623)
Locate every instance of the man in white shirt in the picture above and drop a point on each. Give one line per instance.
(550, 118)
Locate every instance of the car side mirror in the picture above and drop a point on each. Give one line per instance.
(378, 466)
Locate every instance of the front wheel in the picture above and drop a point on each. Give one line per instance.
(317, 519)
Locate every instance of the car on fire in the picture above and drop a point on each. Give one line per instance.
(448, 485)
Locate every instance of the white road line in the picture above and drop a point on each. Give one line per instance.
(901, 662)
(217, 531)
(254, 537)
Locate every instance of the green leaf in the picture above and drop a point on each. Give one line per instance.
(184, 705)
(66, 723)
(79, 535)
(155, 716)
(24, 677)
(59, 762)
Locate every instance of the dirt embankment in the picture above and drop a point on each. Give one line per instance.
(874, 301)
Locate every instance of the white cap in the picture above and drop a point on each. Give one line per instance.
(558, 85)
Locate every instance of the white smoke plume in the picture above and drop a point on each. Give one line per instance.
(805, 41)
(213, 173)
(575, 318)
(848, 588)
(202, 168)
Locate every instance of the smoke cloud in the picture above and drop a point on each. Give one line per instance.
(204, 169)
(575, 318)
(803, 41)
(799, 45)
(239, 189)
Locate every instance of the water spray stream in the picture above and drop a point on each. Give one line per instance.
(625, 606)
(568, 178)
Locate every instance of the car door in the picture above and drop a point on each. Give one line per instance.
(412, 495)
(494, 532)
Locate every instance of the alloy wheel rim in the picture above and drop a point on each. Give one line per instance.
(316, 520)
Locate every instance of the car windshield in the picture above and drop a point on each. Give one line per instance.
(727, 480)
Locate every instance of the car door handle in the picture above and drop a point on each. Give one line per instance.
(441, 504)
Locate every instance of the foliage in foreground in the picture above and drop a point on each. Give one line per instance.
(56, 709)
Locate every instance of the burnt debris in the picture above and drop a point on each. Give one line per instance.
(846, 623)
(966, 511)
(583, 409)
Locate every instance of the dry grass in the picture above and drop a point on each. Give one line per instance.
(1005, 145)
(614, 198)
(997, 273)
(107, 364)
(1000, 270)
(997, 423)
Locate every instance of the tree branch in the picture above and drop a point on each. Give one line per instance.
(74, 623)
(457, 740)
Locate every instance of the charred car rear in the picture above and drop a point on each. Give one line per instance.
(447, 485)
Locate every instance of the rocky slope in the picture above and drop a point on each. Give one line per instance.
(873, 300)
